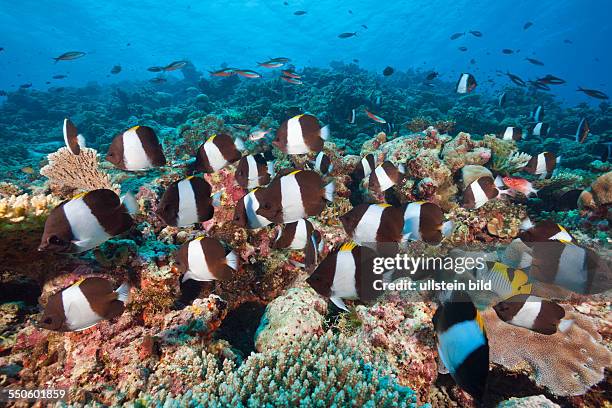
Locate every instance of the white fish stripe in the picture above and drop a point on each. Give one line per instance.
(187, 209)
(85, 227)
(214, 155)
(480, 197)
(508, 133)
(561, 236)
(458, 342)
(78, 311)
(367, 228)
(251, 206)
(462, 86)
(412, 221)
(367, 170)
(196, 259)
(541, 164)
(134, 155)
(253, 175)
(299, 239)
(344, 285)
(572, 272)
(383, 179)
(537, 129)
(528, 313)
(295, 138)
(291, 199)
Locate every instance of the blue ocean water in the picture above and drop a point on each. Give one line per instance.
(403, 34)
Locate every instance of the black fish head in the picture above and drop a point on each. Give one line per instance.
(54, 243)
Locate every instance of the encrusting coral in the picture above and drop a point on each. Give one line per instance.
(76, 172)
(566, 363)
(16, 209)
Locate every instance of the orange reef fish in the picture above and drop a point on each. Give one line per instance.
(520, 184)
(374, 117)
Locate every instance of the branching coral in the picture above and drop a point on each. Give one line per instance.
(320, 371)
(81, 172)
(511, 163)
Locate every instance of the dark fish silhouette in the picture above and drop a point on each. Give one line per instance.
(593, 93)
(300, 13)
(456, 35)
(527, 25)
(566, 41)
(476, 33)
(25, 86)
(60, 76)
(539, 85)
(116, 69)
(462, 48)
(515, 79)
(431, 75)
(364, 26)
(388, 71)
(68, 56)
(534, 61)
(155, 69)
(551, 80)
(347, 35)
(158, 80)
(507, 51)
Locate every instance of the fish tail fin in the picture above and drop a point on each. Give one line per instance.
(123, 292)
(130, 203)
(81, 141)
(240, 144)
(232, 260)
(558, 161)
(330, 191)
(339, 303)
(401, 168)
(325, 132)
(447, 228)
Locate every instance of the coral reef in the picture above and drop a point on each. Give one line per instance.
(67, 171)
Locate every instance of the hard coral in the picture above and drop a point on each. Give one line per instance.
(566, 363)
(77, 172)
(328, 370)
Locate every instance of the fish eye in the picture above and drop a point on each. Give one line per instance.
(55, 240)
(266, 206)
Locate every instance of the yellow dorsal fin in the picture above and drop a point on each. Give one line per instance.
(294, 172)
(419, 202)
(198, 238)
(348, 246)
(78, 283)
(298, 116)
(134, 128)
(210, 139)
(384, 205)
(480, 321)
(520, 279)
(80, 195)
(189, 177)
